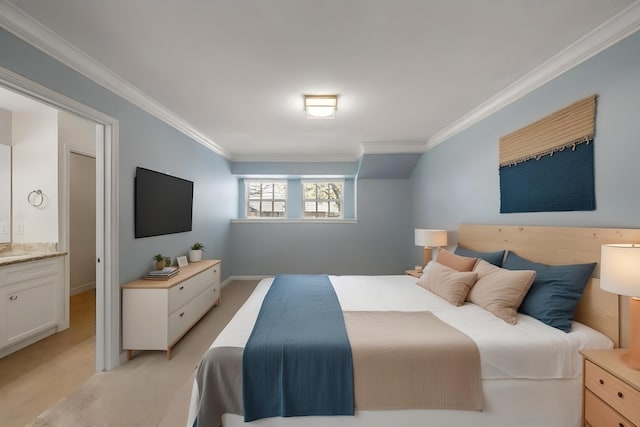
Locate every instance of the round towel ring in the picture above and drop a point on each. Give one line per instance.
(36, 198)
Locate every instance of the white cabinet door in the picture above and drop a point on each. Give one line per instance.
(29, 309)
(31, 302)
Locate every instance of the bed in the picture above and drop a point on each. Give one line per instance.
(531, 373)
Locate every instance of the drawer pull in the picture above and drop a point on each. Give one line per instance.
(181, 287)
(13, 297)
(620, 425)
(601, 382)
(182, 314)
(620, 395)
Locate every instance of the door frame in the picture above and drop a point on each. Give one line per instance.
(107, 208)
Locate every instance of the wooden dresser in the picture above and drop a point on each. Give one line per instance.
(611, 390)
(157, 313)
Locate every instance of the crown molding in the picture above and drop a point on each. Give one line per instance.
(36, 34)
(404, 147)
(293, 158)
(393, 147)
(621, 25)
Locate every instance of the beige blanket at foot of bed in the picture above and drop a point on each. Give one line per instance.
(412, 360)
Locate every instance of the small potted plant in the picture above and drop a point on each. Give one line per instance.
(195, 254)
(160, 262)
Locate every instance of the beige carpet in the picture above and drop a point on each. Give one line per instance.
(148, 390)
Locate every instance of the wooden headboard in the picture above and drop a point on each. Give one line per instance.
(561, 245)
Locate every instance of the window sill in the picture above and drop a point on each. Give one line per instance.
(293, 221)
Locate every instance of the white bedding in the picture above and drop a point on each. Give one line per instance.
(526, 357)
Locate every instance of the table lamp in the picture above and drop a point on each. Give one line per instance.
(620, 274)
(430, 239)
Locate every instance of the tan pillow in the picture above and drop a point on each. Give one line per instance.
(500, 291)
(447, 283)
(457, 262)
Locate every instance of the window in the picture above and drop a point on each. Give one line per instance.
(323, 199)
(266, 199)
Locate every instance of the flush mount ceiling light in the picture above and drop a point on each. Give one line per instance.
(321, 106)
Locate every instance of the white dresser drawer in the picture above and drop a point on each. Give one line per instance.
(216, 273)
(183, 292)
(181, 320)
(215, 290)
(156, 313)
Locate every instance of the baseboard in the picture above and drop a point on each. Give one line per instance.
(82, 288)
(28, 341)
(248, 277)
(226, 282)
(232, 278)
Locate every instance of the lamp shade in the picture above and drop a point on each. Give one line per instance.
(620, 269)
(430, 238)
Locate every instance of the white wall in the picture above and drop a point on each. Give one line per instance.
(77, 145)
(5, 176)
(82, 217)
(35, 166)
(76, 133)
(5, 193)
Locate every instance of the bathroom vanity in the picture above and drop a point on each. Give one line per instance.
(32, 298)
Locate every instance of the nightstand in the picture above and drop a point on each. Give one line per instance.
(413, 273)
(611, 392)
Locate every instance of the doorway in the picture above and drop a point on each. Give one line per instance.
(107, 341)
(82, 214)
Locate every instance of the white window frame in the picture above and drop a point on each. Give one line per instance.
(247, 200)
(322, 181)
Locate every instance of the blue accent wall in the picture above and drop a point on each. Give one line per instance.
(378, 243)
(387, 166)
(457, 181)
(294, 198)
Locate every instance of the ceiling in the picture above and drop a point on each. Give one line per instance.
(234, 72)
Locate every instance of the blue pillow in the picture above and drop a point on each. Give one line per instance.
(555, 292)
(494, 258)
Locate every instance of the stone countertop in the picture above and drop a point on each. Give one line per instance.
(10, 259)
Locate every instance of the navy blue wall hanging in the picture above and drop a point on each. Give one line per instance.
(547, 166)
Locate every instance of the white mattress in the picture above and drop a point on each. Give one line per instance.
(531, 372)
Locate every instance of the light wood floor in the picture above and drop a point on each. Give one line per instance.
(37, 377)
(149, 390)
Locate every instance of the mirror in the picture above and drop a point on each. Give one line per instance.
(5, 193)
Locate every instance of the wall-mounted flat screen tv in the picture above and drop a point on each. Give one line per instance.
(163, 203)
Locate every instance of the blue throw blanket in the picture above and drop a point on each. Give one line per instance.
(298, 358)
